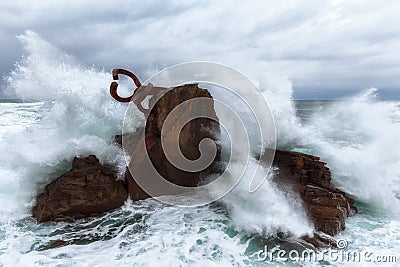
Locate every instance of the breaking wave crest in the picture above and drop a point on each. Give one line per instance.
(67, 111)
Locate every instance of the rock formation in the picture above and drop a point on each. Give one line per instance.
(326, 206)
(91, 188)
(189, 137)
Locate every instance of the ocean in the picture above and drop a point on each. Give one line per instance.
(70, 112)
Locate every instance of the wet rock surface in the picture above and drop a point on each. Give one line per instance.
(88, 189)
(326, 206)
(91, 188)
(186, 135)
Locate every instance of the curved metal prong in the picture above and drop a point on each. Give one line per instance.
(114, 85)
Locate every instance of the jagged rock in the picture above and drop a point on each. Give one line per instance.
(91, 188)
(326, 206)
(318, 241)
(55, 244)
(88, 189)
(190, 136)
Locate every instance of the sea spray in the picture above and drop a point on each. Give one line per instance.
(80, 119)
(77, 117)
(267, 211)
(358, 138)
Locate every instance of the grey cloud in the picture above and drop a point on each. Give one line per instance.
(319, 45)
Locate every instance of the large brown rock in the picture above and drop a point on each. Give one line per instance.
(147, 142)
(190, 136)
(326, 206)
(88, 189)
(91, 188)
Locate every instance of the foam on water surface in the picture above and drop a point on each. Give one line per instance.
(71, 113)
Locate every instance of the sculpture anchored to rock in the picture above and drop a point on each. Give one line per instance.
(140, 93)
(161, 104)
(91, 187)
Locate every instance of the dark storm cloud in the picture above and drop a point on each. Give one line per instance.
(319, 45)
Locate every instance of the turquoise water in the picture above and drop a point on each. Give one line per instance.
(146, 233)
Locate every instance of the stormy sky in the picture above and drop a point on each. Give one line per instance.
(327, 49)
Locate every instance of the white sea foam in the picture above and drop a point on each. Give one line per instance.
(75, 115)
(267, 211)
(145, 233)
(81, 119)
(358, 138)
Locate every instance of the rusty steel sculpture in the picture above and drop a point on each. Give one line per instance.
(140, 93)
